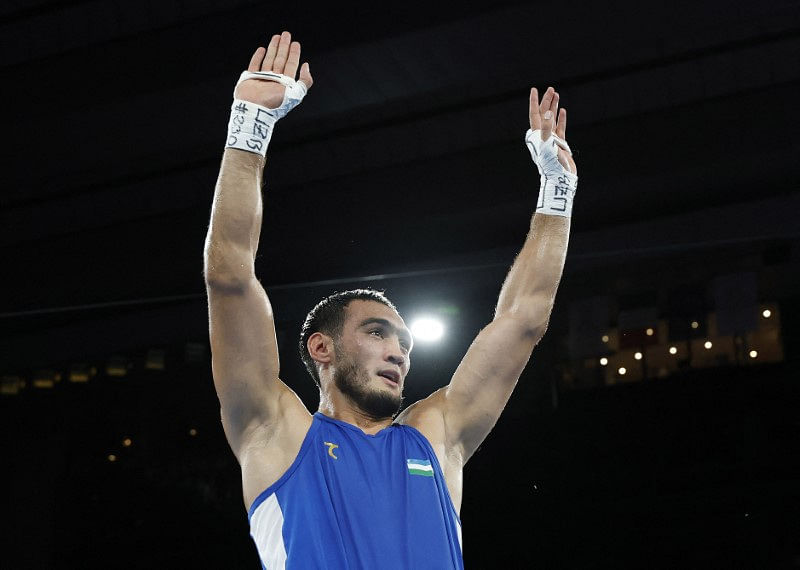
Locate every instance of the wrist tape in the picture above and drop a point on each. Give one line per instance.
(557, 185)
(250, 126)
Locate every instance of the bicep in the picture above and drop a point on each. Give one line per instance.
(244, 355)
(485, 379)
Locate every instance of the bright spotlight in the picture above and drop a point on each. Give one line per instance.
(753, 353)
(603, 361)
(622, 371)
(604, 338)
(649, 331)
(766, 313)
(708, 344)
(638, 356)
(695, 324)
(427, 329)
(673, 350)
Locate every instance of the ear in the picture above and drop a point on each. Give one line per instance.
(320, 347)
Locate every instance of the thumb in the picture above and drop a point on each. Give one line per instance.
(305, 75)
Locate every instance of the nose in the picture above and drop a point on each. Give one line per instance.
(395, 353)
(396, 358)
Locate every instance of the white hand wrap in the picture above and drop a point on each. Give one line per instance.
(558, 185)
(250, 127)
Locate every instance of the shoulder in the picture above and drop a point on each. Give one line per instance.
(270, 449)
(427, 416)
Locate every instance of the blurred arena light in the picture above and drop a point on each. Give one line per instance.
(11, 385)
(45, 378)
(155, 359)
(118, 366)
(427, 329)
(81, 373)
(194, 353)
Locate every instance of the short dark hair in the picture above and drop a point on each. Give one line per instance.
(328, 318)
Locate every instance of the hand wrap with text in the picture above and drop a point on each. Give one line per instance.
(250, 127)
(558, 185)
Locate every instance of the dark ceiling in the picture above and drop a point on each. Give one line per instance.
(406, 154)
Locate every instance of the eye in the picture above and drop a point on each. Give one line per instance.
(377, 332)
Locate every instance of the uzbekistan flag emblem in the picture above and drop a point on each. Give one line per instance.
(420, 467)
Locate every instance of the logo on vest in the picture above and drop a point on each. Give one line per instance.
(331, 447)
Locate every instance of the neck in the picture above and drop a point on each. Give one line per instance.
(336, 405)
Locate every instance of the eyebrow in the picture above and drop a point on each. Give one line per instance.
(401, 333)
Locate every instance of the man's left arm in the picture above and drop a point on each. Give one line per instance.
(483, 382)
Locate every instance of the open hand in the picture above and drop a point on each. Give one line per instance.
(281, 56)
(543, 117)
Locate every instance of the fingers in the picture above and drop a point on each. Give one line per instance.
(546, 115)
(554, 107)
(293, 60)
(533, 110)
(305, 75)
(283, 53)
(255, 61)
(546, 107)
(561, 125)
(272, 49)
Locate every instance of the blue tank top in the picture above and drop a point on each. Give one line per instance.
(356, 501)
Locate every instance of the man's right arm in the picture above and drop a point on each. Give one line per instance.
(241, 326)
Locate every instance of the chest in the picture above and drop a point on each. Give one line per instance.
(393, 464)
(354, 465)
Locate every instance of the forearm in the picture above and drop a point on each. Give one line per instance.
(529, 290)
(236, 213)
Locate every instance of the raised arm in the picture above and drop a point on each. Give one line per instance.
(483, 382)
(241, 327)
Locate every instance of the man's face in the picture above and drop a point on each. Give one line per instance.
(372, 358)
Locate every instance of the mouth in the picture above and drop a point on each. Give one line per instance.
(390, 376)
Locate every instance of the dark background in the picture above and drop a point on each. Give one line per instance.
(404, 169)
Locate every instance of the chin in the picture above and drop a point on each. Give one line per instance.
(382, 403)
(378, 401)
